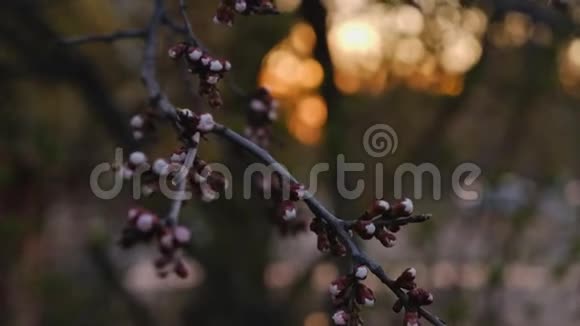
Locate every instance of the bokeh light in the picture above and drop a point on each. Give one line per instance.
(312, 111)
(317, 319)
(287, 5)
(426, 46)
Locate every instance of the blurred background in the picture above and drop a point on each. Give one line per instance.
(494, 82)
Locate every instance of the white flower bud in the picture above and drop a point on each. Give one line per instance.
(186, 113)
(195, 54)
(160, 166)
(178, 157)
(126, 173)
(241, 6)
(370, 228)
(182, 234)
(133, 212)
(145, 222)
(289, 214)
(333, 289)
(137, 158)
(212, 79)
(361, 272)
(408, 204)
(369, 302)
(216, 65)
(340, 318)
(384, 205)
(257, 105)
(227, 65)
(205, 60)
(137, 121)
(138, 134)
(206, 123)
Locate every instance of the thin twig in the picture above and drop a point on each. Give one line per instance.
(398, 221)
(181, 181)
(183, 10)
(107, 38)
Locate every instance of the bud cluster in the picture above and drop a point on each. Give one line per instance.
(374, 222)
(227, 10)
(417, 297)
(205, 182)
(262, 112)
(348, 295)
(142, 124)
(193, 123)
(327, 239)
(137, 166)
(286, 205)
(144, 227)
(201, 179)
(210, 70)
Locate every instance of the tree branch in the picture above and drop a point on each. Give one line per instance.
(320, 211)
(106, 38)
(160, 101)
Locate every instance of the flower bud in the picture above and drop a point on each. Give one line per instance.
(365, 296)
(145, 222)
(182, 235)
(194, 54)
(420, 297)
(216, 66)
(206, 123)
(403, 208)
(337, 286)
(137, 158)
(386, 238)
(297, 192)
(288, 210)
(180, 269)
(361, 272)
(365, 229)
(411, 318)
(137, 121)
(407, 279)
(241, 6)
(160, 167)
(133, 213)
(177, 50)
(340, 318)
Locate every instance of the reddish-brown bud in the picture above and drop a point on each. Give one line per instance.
(364, 296)
(386, 238)
(407, 279)
(420, 297)
(365, 229)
